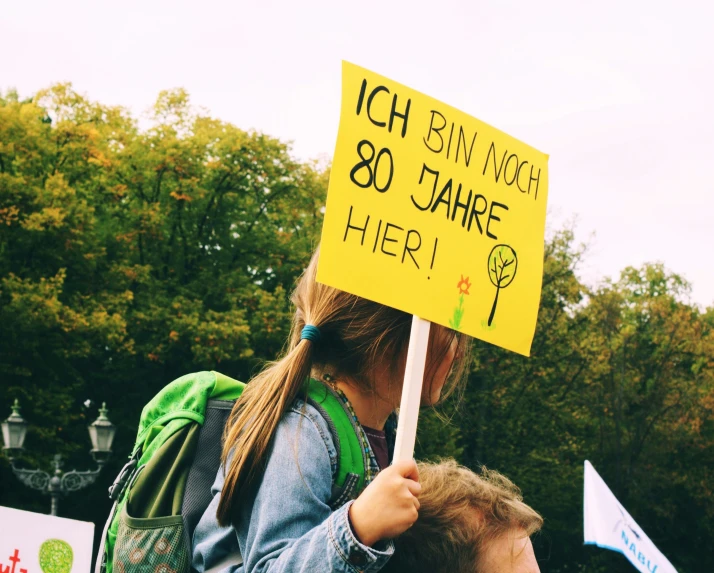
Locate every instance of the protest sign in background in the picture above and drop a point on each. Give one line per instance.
(434, 212)
(38, 543)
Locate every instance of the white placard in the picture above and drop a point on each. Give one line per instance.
(38, 543)
(608, 525)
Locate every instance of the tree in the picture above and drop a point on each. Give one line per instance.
(650, 396)
(622, 376)
(132, 256)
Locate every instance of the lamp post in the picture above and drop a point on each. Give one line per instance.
(101, 433)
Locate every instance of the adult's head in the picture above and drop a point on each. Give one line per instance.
(361, 342)
(468, 523)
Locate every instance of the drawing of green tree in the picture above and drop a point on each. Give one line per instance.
(502, 265)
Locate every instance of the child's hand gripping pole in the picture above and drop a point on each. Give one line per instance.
(411, 391)
(390, 504)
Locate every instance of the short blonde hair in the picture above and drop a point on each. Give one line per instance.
(461, 512)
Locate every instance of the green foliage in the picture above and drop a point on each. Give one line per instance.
(622, 376)
(131, 256)
(439, 434)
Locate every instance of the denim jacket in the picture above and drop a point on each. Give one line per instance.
(288, 526)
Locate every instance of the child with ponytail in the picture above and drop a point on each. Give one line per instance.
(273, 498)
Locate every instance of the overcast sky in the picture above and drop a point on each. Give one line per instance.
(619, 93)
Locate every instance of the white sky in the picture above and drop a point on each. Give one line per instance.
(619, 93)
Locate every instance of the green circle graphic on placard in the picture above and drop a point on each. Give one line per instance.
(56, 556)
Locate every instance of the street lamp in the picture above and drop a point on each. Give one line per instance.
(101, 432)
(14, 430)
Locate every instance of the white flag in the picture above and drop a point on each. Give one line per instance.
(608, 525)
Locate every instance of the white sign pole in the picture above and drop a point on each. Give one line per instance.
(411, 390)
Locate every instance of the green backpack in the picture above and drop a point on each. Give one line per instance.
(162, 492)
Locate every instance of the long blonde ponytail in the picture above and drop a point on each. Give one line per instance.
(254, 420)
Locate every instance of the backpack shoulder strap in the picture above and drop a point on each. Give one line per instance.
(350, 476)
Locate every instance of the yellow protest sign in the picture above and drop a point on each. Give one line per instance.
(433, 212)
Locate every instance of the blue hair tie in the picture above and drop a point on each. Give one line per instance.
(311, 333)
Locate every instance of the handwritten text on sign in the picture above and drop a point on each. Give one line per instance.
(434, 212)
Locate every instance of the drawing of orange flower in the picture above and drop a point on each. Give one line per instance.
(463, 285)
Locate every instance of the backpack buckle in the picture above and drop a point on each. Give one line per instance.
(121, 481)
